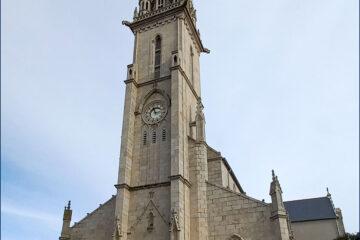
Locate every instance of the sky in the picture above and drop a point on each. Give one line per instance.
(280, 90)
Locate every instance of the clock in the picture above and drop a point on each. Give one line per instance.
(154, 112)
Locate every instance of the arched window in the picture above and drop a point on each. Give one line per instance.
(157, 57)
(150, 221)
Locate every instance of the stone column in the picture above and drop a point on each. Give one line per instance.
(198, 179)
(126, 155)
(178, 186)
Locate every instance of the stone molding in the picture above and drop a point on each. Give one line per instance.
(160, 17)
(187, 80)
(182, 179)
(153, 81)
(137, 188)
(278, 215)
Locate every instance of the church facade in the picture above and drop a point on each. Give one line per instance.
(172, 185)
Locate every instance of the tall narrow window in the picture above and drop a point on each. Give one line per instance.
(192, 65)
(163, 137)
(151, 222)
(157, 57)
(145, 138)
(154, 136)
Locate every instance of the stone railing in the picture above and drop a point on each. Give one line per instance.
(158, 11)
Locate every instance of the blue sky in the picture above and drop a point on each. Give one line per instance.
(280, 90)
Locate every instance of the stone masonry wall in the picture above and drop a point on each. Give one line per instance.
(219, 174)
(231, 214)
(97, 225)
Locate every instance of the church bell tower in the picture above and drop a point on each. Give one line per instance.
(160, 181)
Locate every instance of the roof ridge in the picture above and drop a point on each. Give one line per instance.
(298, 200)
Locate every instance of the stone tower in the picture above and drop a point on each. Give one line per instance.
(172, 185)
(162, 109)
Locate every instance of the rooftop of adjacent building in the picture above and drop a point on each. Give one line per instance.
(311, 209)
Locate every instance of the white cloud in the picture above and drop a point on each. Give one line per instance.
(53, 221)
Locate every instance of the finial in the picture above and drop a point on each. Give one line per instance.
(69, 205)
(273, 175)
(199, 106)
(328, 192)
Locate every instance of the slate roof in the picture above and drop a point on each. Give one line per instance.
(310, 209)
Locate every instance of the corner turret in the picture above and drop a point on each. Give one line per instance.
(277, 204)
(279, 216)
(339, 217)
(65, 232)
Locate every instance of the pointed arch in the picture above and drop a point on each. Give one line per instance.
(165, 96)
(192, 64)
(157, 63)
(237, 237)
(155, 211)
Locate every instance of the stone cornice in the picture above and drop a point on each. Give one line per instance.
(161, 16)
(142, 187)
(155, 185)
(182, 179)
(147, 82)
(131, 81)
(278, 215)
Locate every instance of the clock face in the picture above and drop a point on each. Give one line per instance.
(154, 112)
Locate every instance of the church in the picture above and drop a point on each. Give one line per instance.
(171, 184)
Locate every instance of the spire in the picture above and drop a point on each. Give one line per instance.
(136, 13)
(273, 175)
(279, 215)
(276, 196)
(65, 232)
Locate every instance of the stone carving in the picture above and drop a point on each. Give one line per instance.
(117, 230)
(152, 209)
(174, 222)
